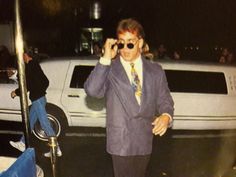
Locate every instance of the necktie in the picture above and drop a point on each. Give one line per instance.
(135, 82)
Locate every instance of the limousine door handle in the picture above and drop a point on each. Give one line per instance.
(74, 96)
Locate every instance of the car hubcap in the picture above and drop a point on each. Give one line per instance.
(39, 132)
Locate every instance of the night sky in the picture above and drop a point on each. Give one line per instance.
(179, 23)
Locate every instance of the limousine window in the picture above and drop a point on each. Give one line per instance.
(80, 75)
(178, 81)
(4, 79)
(196, 82)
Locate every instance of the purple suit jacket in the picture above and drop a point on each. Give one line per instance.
(129, 129)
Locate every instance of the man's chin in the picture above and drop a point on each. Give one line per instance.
(127, 58)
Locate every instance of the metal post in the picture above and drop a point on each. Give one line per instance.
(21, 72)
(52, 142)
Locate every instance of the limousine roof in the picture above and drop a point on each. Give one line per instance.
(173, 64)
(196, 62)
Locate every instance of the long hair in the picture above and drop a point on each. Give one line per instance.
(130, 25)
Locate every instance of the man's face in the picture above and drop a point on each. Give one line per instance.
(132, 46)
(26, 57)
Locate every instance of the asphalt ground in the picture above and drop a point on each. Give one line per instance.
(177, 154)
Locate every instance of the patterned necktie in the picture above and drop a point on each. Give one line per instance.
(135, 82)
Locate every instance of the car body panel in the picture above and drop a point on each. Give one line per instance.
(10, 108)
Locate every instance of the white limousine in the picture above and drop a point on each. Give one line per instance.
(204, 95)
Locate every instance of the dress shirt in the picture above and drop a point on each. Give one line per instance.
(138, 66)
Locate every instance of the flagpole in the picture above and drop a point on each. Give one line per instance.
(21, 72)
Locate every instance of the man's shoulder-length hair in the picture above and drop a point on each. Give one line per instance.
(130, 25)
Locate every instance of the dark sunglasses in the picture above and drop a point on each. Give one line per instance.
(129, 45)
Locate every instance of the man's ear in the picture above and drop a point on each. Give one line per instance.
(141, 42)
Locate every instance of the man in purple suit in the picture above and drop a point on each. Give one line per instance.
(138, 100)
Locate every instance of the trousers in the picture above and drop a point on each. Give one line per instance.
(130, 166)
(38, 112)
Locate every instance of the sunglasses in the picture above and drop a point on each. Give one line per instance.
(129, 45)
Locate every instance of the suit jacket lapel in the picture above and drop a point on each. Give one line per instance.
(147, 89)
(123, 88)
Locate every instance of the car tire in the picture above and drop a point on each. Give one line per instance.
(58, 121)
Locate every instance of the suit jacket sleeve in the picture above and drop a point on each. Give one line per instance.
(165, 103)
(96, 83)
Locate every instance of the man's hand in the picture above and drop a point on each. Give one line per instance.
(10, 72)
(110, 48)
(13, 94)
(160, 125)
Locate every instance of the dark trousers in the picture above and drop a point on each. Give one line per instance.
(130, 166)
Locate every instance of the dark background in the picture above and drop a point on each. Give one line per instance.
(54, 25)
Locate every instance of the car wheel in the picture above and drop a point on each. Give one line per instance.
(58, 122)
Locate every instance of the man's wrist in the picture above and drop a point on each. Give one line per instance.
(105, 61)
(170, 118)
(166, 114)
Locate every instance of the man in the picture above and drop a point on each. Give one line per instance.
(138, 99)
(37, 84)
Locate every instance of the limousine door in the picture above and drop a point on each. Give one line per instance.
(83, 110)
(201, 100)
